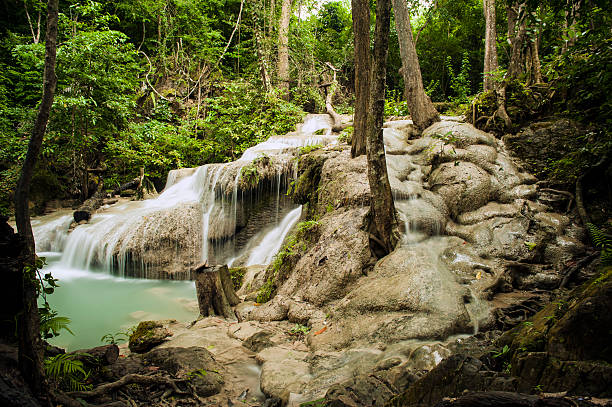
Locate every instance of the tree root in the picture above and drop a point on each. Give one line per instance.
(582, 263)
(131, 379)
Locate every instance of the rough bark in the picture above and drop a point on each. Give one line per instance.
(382, 211)
(421, 109)
(283, 48)
(361, 30)
(490, 59)
(517, 33)
(215, 291)
(30, 343)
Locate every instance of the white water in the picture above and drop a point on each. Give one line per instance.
(194, 219)
(192, 215)
(271, 243)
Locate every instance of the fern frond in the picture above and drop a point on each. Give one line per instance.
(600, 239)
(55, 324)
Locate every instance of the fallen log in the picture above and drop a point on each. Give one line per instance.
(215, 291)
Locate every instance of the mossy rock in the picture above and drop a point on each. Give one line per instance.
(576, 327)
(147, 335)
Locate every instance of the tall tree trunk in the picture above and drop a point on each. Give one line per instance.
(517, 34)
(361, 30)
(382, 211)
(30, 343)
(422, 111)
(490, 58)
(283, 48)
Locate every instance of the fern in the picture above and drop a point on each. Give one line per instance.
(602, 241)
(50, 326)
(68, 371)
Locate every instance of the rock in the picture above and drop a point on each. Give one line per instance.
(258, 341)
(81, 215)
(464, 187)
(543, 142)
(194, 363)
(98, 356)
(283, 371)
(147, 335)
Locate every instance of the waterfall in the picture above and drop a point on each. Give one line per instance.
(271, 242)
(203, 214)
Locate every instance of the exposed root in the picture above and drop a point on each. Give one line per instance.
(130, 379)
(582, 263)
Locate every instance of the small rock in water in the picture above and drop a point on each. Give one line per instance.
(138, 314)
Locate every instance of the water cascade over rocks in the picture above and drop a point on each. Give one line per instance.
(475, 228)
(216, 213)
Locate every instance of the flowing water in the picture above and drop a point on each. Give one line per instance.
(110, 268)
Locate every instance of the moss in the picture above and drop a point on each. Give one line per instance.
(144, 330)
(305, 235)
(237, 276)
(315, 403)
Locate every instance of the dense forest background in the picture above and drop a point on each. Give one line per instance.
(163, 84)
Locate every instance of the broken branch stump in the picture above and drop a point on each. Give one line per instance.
(215, 291)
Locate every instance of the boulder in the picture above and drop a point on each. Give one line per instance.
(147, 335)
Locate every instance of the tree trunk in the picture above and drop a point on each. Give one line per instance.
(283, 48)
(361, 30)
(421, 109)
(517, 33)
(382, 211)
(490, 59)
(215, 291)
(30, 343)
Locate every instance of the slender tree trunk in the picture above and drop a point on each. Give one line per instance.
(30, 343)
(261, 57)
(422, 111)
(361, 30)
(490, 59)
(382, 211)
(535, 57)
(517, 34)
(283, 48)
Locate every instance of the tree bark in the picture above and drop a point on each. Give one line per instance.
(382, 211)
(361, 30)
(30, 343)
(517, 33)
(421, 109)
(283, 48)
(490, 59)
(215, 291)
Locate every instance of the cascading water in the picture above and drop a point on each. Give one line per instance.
(208, 214)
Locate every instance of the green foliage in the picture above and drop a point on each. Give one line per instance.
(308, 149)
(249, 175)
(347, 135)
(460, 83)
(51, 324)
(395, 105)
(299, 330)
(113, 339)
(602, 241)
(68, 372)
(297, 243)
(237, 276)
